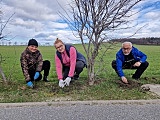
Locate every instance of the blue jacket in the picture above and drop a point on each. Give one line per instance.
(138, 56)
(80, 57)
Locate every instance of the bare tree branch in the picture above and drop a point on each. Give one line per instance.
(93, 20)
(3, 26)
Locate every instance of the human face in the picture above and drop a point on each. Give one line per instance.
(60, 47)
(126, 48)
(32, 48)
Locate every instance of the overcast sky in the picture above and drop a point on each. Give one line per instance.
(39, 19)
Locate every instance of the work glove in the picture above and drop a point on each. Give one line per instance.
(61, 83)
(36, 75)
(30, 84)
(67, 81)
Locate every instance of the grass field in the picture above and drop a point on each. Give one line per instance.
(105, 88)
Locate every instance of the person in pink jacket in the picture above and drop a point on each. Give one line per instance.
(69, 63)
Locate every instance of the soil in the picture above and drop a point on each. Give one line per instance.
(131, 84)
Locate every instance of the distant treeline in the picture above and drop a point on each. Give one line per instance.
(140, 41)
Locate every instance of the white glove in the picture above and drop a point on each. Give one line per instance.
(61, 83)
(67, 81)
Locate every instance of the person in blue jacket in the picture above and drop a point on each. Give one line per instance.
(129, 57)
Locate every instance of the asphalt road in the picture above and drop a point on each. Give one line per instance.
(95, 110)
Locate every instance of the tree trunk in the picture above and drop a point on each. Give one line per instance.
(3, 76)
(91, 75)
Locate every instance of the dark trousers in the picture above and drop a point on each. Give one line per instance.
(78, 69)
(129, 65)
(45, 68)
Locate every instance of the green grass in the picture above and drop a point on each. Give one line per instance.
(105, 87)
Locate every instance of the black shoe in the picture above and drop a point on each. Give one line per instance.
(76, 77)
(135, 78)
(45, 79)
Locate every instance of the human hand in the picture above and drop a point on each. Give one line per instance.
(67, 81)
(61, 83)
(124, 79)
(137, 64)
(36, 75)
(30, 84)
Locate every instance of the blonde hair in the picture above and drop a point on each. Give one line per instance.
(58, 41)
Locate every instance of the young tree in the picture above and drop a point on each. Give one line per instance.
(2, 37)
(93, 19)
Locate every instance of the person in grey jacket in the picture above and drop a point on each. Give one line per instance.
(32, 64)
(129, 57)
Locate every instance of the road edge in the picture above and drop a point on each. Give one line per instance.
(70, 103)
